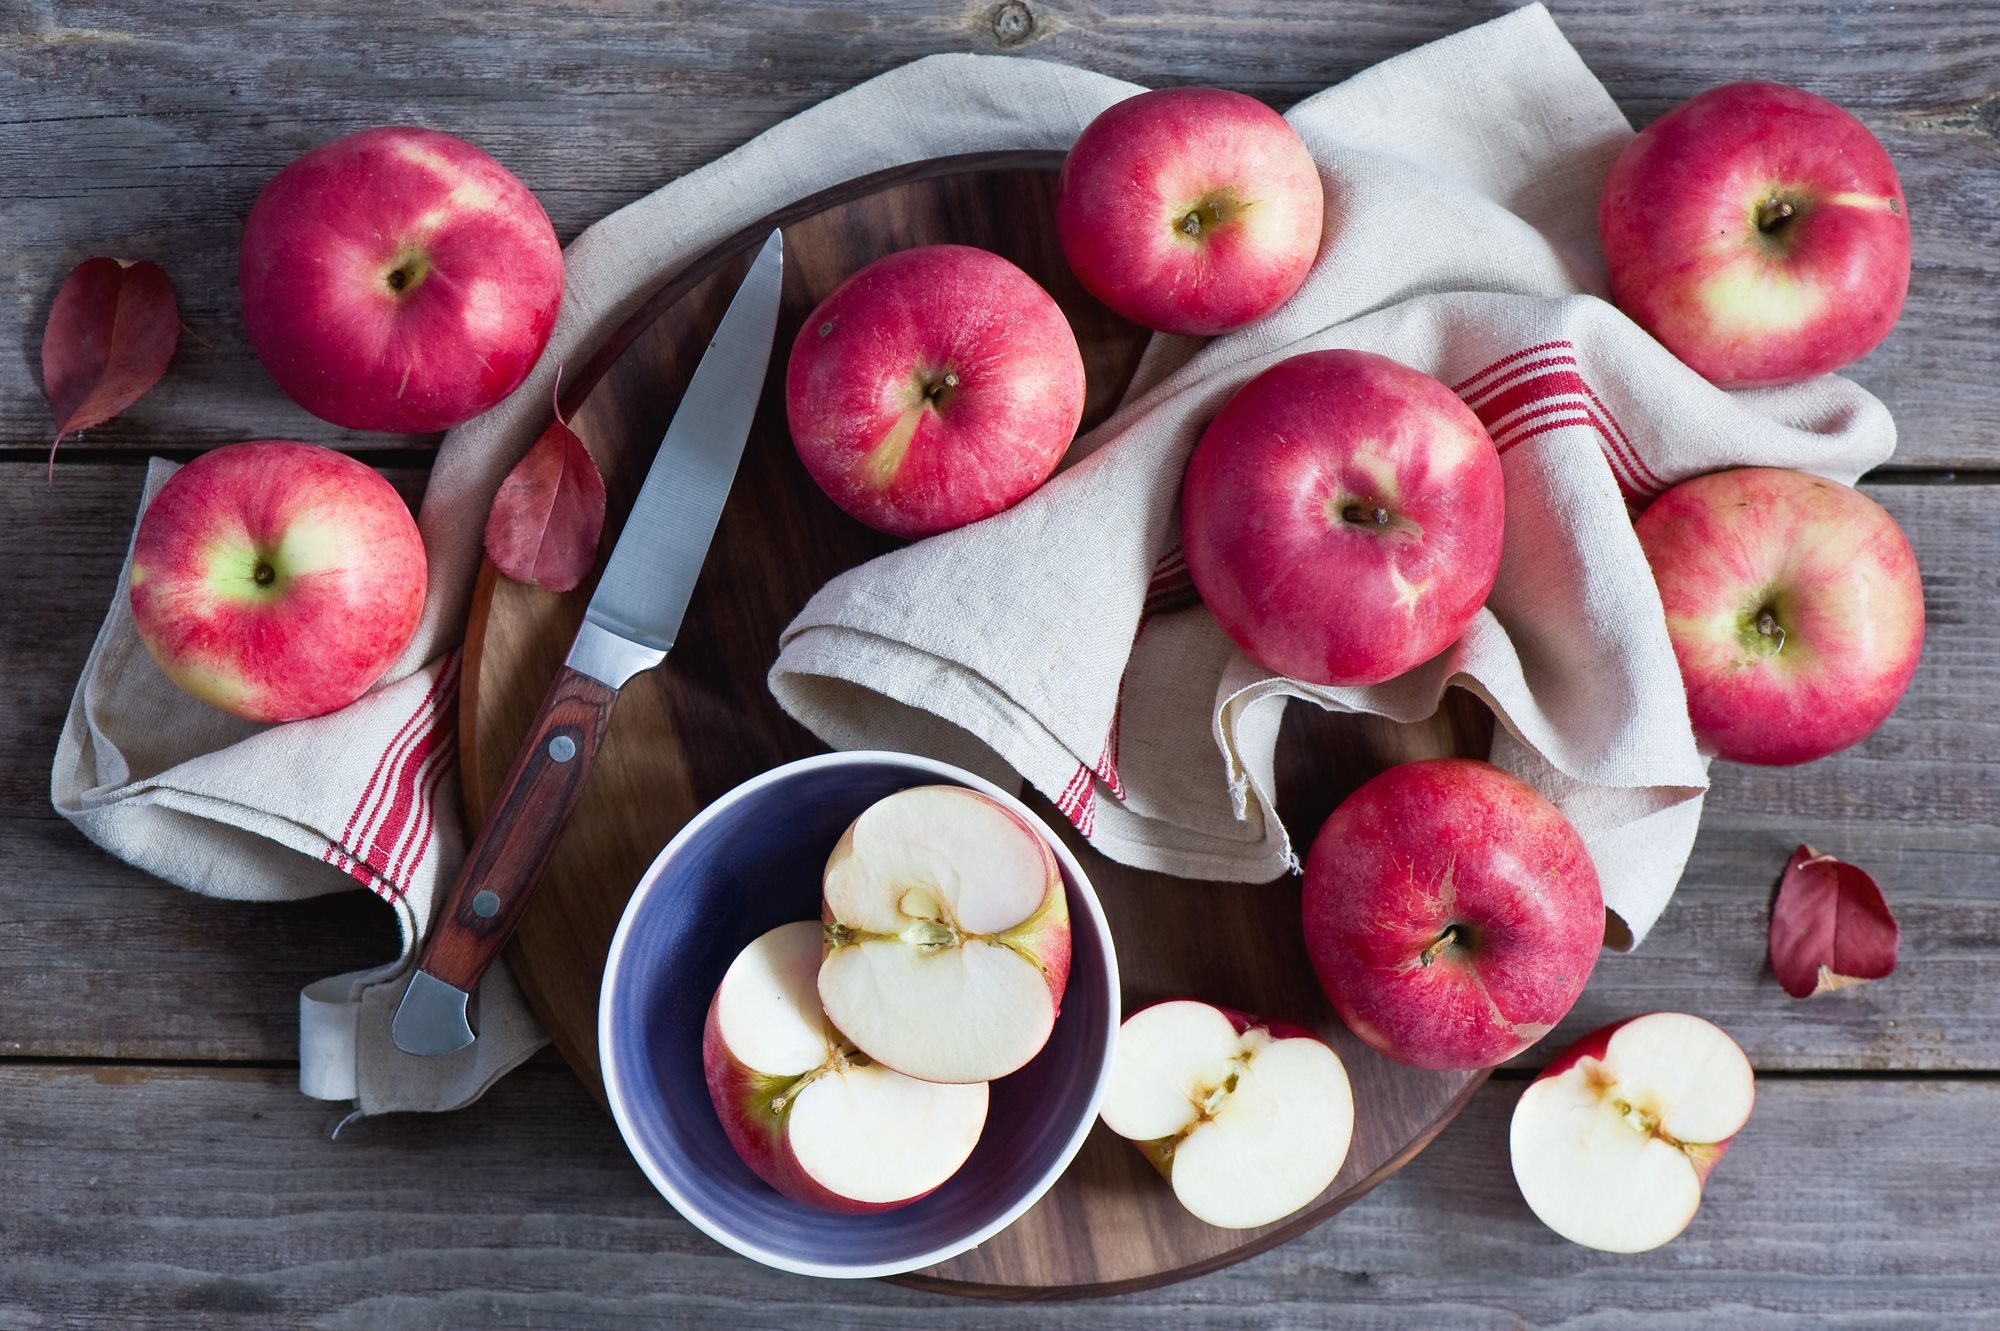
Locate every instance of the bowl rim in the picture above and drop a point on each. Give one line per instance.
(614, 1088)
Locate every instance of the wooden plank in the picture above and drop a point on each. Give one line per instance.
(141, 971)
(212, 1197)
(146, 131)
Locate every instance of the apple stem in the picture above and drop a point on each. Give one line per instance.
(1437, 949)
(1769, 627)
(1773, 214)
(263, 575)
(1358, 515)
(1191, 224)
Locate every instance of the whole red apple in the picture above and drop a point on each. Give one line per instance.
(1760, 233)
(276, 580)
(1451, 912)
(1794, 607)
(399, 279)
(1190, 210)
(935, 387)
(1342, 517)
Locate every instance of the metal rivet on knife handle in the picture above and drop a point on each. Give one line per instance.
(562, 748)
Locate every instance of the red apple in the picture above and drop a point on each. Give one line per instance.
(935, 387)
(1190, 210)
(1342, 517)
(1248, 1119)
(1452, 913)
(1760, 233)
(399, 279)
(947, 935)
(811, 1117)
(1612, 1143)
(1794, 608)
(276, 580)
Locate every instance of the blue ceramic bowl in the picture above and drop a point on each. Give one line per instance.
(748, 863)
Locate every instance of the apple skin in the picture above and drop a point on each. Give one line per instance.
(346, 588)
(1703, 1156)
(1342, 517)
(1683, 216)
(398, 279)
(935, 387)
(1836, 576)
(742, 1098)
(1146, 166)
(1413, 862)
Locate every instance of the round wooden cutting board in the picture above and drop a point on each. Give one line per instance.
(685, 733)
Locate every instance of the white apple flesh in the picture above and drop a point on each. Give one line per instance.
(810, 1115)
(947, 935)
(1248, 1120)
(1612, 1143)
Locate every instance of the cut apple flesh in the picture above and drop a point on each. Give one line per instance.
(1247, 1128)
(947, 936)
(856, 1129)
(1611, 1151)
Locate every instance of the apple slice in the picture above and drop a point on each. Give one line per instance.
(810, 1115)
(947, 935)
(1248, 1119)
(1613, 1142)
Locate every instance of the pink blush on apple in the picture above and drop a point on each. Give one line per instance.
(276, 580)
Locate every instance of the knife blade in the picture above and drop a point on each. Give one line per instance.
(630, 625)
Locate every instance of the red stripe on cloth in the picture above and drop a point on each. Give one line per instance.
(1479, 401)
(441, 700)
(382, 761)
(1570, 402)
(1490, 405)
(1073, 791)
(1642, 472)
(381, 786)
(1107, 763)
(399, 825)
(419, 843)
(1558, 378)
(1462, 385)
(1085, 818)
(1563, 422)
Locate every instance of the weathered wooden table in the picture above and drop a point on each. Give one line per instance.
(157, 1164)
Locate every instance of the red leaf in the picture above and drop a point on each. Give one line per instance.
(549, 513)
(110, 335)
(1830, 927)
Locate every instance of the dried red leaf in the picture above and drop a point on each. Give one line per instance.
(1830, 926)
(110, 335)
(549, 513)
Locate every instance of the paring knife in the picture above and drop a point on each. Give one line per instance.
(629, 627)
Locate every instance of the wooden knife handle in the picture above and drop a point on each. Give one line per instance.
(525, 822)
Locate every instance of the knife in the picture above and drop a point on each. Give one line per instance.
(629, 627)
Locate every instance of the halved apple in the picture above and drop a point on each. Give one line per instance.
(1248, 1119)
(810, 1115)
(1612, 1143)
(947, 935)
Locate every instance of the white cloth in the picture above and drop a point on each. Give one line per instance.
(1460, 180)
